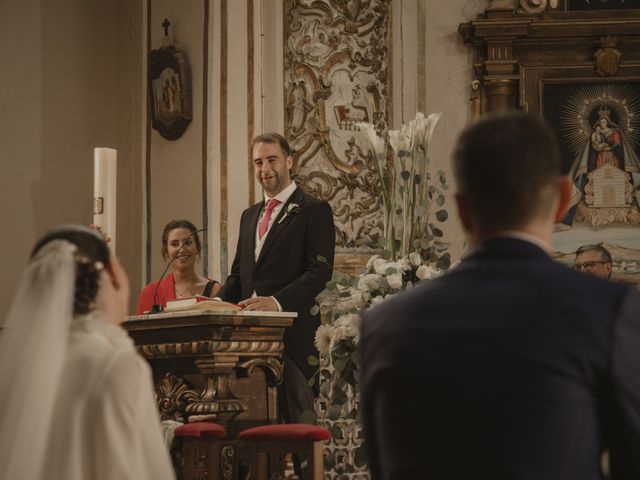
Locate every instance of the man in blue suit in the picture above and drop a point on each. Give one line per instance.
(511, 366)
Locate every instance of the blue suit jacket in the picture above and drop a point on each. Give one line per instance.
(511, 366)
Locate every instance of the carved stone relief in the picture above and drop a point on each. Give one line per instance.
(608, 56)
(336, 75)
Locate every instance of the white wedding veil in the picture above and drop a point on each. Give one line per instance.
(33, 345)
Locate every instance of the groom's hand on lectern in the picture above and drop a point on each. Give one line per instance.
(261, 304)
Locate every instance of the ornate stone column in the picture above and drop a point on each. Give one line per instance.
(496, 67)
(501, 79)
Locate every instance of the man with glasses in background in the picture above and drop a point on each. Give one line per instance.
(595, 260)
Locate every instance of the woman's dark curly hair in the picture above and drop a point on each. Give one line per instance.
(172, 225)
(91, 256)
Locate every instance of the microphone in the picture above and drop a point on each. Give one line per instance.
(155, 308)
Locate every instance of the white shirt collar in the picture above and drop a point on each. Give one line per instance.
(284, 195)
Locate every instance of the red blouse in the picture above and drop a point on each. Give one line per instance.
(166, 291)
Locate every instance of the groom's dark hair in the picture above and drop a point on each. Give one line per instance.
(273, 138)
(506, 167)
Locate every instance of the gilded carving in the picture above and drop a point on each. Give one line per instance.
(207, 347)
(216, 400)
(201, 461)
(271, 366)
(537, 6)
(476, 100)
(336, 75)
(227, 462)
(533, 6)
(172, 395)
(607, 57)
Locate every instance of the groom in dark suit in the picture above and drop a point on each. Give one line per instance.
(511, 366)
(283, 260)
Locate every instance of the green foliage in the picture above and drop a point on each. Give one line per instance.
(308, 417)
(413, 201)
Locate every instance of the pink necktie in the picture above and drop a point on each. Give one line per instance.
(264, 223)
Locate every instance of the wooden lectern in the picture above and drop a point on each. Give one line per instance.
(222, 366)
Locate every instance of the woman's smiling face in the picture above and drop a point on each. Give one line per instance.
(189, 252)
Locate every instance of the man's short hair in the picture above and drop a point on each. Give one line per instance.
(603, 253)
(506, 167)
(273, 138)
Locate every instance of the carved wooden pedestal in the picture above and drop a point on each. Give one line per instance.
(218, 366)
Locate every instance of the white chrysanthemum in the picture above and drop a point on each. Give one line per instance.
(350, 298)
(347, 305)
(380, 266)
(403, 264)
(415, 259)
(323, 338)
(427, 272)
(395, 280)
(371, 261)
(351, 323)
(377, 300)
(368, 282)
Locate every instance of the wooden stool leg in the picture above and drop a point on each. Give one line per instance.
(315, 458)
(318, 460)
(262, 466)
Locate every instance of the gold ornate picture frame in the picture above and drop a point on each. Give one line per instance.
(169, 92)
(579, 68)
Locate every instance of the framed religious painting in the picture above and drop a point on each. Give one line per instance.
(598, 127)
(169, 92)
(596, 118)
(596, 5)
(576, 64)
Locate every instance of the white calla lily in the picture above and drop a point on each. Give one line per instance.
(376, 142)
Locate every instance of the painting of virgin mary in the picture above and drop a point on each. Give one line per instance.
(598, 127)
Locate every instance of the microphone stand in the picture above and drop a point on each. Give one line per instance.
(155, 308)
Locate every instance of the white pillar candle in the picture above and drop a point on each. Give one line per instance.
(104, 191)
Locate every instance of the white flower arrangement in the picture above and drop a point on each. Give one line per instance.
(342, 304)
(407, 196)
(412, 252)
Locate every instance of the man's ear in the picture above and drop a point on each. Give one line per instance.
(289, 163)
(565, 190)
(463, 212)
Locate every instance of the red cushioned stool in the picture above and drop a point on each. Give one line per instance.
(278, 440)
(201, 449)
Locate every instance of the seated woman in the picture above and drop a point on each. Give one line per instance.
(180, 240)
(77, 400)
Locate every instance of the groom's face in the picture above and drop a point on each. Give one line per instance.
(271, 167)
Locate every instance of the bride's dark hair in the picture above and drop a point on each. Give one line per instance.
(91, 256)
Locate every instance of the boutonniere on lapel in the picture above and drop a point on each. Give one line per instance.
(292, 209)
